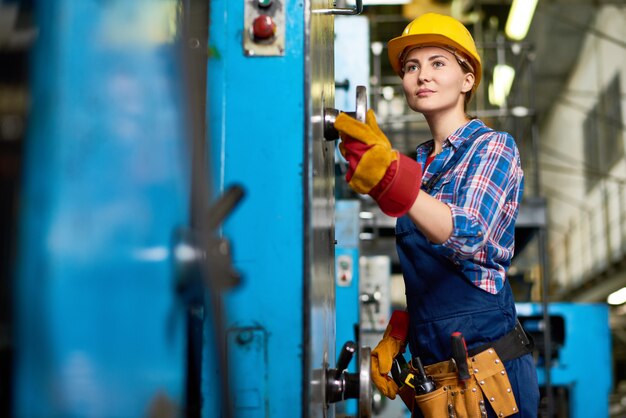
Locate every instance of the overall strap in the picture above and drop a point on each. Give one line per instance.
(455, 158)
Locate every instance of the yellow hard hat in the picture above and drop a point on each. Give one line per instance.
(437, 30)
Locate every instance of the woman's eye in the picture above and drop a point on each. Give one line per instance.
(410, 68)
(438, 64)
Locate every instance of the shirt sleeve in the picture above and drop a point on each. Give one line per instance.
(487, 200)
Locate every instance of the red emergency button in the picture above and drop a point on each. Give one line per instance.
(263, 27)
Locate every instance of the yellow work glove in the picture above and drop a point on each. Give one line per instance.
(393, 342)
(375, 168)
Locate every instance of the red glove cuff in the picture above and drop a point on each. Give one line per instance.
(401, 186)
(399, 323)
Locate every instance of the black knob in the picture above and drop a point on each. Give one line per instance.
(336, 378)
(345, 357)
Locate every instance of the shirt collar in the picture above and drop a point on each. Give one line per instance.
(464, 132)
(456, 138)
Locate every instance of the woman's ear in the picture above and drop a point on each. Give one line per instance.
(468, 82)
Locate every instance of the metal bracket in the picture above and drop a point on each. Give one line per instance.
(358, 9)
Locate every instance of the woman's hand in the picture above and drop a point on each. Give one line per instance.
(374, 168)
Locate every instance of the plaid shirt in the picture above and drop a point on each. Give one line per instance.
(483, 192)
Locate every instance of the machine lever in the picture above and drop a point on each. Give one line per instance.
(358, 9)
(220, 209)
(330, 114)
(341, 385)
(345, 356)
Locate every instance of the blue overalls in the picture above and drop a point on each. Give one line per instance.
(442, 300)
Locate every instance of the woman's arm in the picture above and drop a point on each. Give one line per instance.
(465, 223)
(432, 217)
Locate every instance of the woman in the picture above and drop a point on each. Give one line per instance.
(456, 207)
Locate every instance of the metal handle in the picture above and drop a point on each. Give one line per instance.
(358, 9)
(341, 385)
(330, 114)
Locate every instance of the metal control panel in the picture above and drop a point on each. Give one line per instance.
(374, 289)
(264, 28)
(345, 270)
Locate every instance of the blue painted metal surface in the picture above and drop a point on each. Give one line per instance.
(583, 364)
(347, 230)
(105, 185)
(256, 111)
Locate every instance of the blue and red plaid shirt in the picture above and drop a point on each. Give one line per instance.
(483, 192)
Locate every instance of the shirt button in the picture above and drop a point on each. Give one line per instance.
(480, 234)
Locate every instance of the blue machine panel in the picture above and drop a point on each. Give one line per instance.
(248, 354)
(581, 360)
(347, 229)
(105, 185)
(265, 123)
(256, 112)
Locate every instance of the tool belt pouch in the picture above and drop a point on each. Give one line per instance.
(489, 382)
(407, 394)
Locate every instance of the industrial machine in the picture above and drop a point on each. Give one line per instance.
(177, 243)
(580, 377)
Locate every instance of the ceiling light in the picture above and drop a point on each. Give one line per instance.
(618, 297)
(500, 87)
(520, 111)
(520, 16)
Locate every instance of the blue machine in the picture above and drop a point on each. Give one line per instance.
(266, 113)
(100, 332)
(580, 374)
(104, 329)
(347, 228)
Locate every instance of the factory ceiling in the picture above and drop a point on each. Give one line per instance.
(553, 41)
(555, 36)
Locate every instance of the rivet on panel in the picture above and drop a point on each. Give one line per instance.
(473, 389)
(492, 399)
(490, 351)
(508, 390)
(482, 382)
(497, 361)
(475, 370)
(502, 372)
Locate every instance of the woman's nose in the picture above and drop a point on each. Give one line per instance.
(423, 75)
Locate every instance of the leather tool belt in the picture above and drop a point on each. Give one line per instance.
(513, 345)
(489, 382)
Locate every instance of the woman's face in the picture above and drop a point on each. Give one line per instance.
(434, 80)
